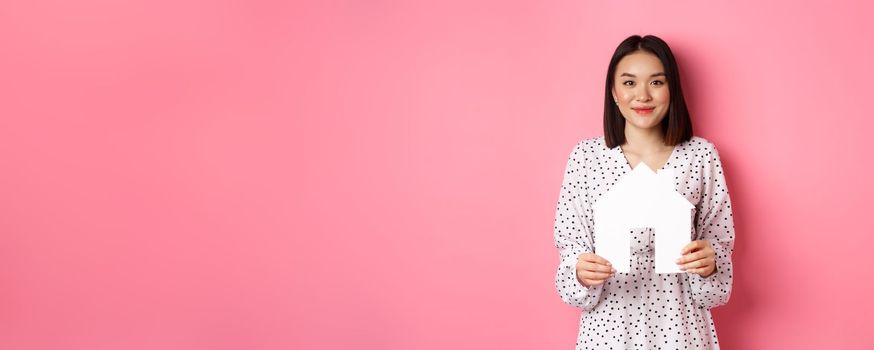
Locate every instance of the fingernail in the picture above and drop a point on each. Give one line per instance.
(612, 270)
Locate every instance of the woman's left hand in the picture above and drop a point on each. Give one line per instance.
(698, 257)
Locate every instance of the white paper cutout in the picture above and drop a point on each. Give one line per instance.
(643, 199)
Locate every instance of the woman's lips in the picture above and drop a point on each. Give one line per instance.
(644, 111)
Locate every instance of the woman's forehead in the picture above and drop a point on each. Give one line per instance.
(639, 64)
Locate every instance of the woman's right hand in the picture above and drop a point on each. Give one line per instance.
(593, 270)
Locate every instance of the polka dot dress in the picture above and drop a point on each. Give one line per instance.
(642, 309)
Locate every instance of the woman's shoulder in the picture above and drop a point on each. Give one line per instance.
(591, 143)
(702, 148)
(588, 147)
(702, 143)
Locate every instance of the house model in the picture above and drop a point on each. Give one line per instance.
(643, 199)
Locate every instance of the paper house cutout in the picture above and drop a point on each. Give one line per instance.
(643, 199)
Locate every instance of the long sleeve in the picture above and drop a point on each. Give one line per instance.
(572, 234)
(714, 222)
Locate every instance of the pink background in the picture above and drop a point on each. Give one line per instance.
(384, 174)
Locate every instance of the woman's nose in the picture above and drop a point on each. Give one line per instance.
(643, 95)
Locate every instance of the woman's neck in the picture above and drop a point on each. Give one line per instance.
(644, 140)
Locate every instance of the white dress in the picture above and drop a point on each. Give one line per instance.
(642, 309)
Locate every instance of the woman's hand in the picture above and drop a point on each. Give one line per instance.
(698, 257)
(593, 270)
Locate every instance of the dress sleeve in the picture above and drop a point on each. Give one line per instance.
(714, 223)
(572, 234)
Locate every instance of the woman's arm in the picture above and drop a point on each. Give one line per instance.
(572, 234)
(714, 224)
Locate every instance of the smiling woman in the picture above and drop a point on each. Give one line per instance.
(645, 120)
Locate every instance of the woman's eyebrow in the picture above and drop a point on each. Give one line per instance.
(634, 76)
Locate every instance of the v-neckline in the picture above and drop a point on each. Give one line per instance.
(630, 168)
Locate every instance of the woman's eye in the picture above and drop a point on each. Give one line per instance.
(628, 83)
(658, 82)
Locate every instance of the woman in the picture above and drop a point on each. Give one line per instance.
(645, 120)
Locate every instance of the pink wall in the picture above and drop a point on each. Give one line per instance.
(383, 175)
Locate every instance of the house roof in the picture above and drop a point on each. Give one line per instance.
(644, 185)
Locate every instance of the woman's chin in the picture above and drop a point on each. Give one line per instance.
(643, 124)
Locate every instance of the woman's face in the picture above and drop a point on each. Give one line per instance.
(640, 88)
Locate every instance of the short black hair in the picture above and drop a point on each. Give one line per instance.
(677, 125)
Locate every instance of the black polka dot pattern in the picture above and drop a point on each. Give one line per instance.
(642, 309)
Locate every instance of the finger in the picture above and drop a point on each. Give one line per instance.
(592, 283)
(595, 259)
(694, 245)
(701, 254)
(699, 271)
(597, 275)
(594, 275)
(700, 263)
(593, 267)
